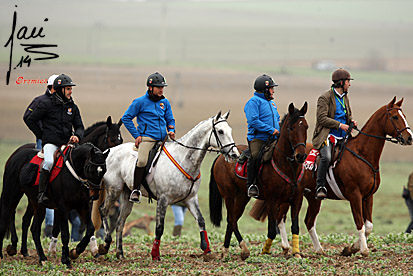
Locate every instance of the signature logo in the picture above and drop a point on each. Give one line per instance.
(24, 33)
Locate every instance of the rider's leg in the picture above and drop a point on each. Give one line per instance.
(325, 154)
(48, 151)
(143, 152)
(255, 146)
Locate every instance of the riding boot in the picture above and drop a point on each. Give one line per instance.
(137, 180)
(177, 231)
(251, 171)
(43, 180)
(321, 191)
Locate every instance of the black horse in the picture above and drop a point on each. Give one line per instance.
(68, 191)
(102, 134)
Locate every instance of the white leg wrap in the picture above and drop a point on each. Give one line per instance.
(314, 239)
(283, 233)
(93, 246)
(52, 246)
(369, 227)
(363, 241)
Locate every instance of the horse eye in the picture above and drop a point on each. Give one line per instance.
(220, 131)
(395, 117)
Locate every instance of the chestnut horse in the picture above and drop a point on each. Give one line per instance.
(276, 188)
(357, 174)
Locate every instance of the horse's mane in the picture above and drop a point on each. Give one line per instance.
(194, 128)
(292, 119)
(93, 127)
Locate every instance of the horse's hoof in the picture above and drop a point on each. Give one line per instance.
(11, 250)
(285, 251)
(120, 256)
(297, 256)
(244, 255)
(25, 254)
(346, 251)
(208, 257)
(73, 255)
(156, 258)
(102, 250)
(96, 256)
(365, 253)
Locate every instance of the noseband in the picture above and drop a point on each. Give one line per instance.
(221, 147)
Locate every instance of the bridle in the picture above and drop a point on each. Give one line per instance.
(220, 145)
(398, 139)
(293, 147)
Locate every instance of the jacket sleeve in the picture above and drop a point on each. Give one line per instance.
(252, 113)
(78, 124)
(169, 117)
(322, 114)
(35, 117)
(130, 114)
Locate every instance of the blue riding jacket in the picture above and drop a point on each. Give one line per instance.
(152, 117)
(262, 117)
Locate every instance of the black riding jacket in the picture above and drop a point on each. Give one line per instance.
(58, 118)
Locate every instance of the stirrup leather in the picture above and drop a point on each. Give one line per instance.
(134, 200)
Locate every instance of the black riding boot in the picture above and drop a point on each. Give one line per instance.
(252, 189)
(137, 180)
(321, 191)
(43, 180)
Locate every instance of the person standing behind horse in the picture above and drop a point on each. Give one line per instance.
(32, 106)
(59, 116)
(333, 117)
(155, 120)
(263, 124)
(408, 197)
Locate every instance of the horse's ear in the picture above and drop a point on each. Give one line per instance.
(120, 122)
(391, 103)
(291, 108)
(399, 103)
(226, 115)
(303, 109)
(109, 121)
(217, 116)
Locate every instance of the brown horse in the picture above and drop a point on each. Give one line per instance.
(275, 189)
(357, 174)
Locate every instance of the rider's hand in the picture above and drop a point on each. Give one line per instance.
(354, 122)
(171, 134)
(344, 127)
(276, 132)
(138, 140)
(74, 139)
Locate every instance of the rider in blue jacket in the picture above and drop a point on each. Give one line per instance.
(263, 124)
(155, 120)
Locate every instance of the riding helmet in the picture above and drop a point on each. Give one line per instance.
(156, 79)
(264, 82)
(341, 74)
(63, 81)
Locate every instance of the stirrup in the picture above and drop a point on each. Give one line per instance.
(43, 199)
(134, 200)
(321, 193)
(253, 191)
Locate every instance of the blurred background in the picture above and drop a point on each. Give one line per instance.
(210, 53)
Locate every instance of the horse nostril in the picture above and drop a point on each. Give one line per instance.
(409, 140)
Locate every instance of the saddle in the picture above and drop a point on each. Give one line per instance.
(30, 172)
(313, 158)
(264, 156)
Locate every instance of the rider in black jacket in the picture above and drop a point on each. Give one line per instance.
(59, 116)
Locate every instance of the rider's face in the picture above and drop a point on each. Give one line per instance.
(67, 92)
(158, 91)
(346, 85)
(271, 91)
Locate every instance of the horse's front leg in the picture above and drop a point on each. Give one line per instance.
(36, 231)
(125, 210)
(296, 203)
(272, 212)
(161, 207)
(63, 217)
(112, 196)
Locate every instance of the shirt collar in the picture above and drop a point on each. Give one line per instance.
(338, 94)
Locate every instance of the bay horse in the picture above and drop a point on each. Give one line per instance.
(176, 179)
(103, 135)
(70, 190)
(276, 188)
(357, 174)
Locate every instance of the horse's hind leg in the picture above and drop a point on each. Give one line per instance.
(12, 248)
(161, 207)
(125, 210)
(27, 219)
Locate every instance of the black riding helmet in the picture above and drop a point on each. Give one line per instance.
(263, 83)
(156, 79)
(63, 81)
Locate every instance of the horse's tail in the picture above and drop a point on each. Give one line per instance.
(96, 219)
(215, 199)
(259, 210)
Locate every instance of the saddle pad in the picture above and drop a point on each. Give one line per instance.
(55, 170)
(241, 170)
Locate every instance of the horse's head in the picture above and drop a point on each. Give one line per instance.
(221, 137)
(396, 124)
(113, 136)
(94, 169)
(294, 128)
